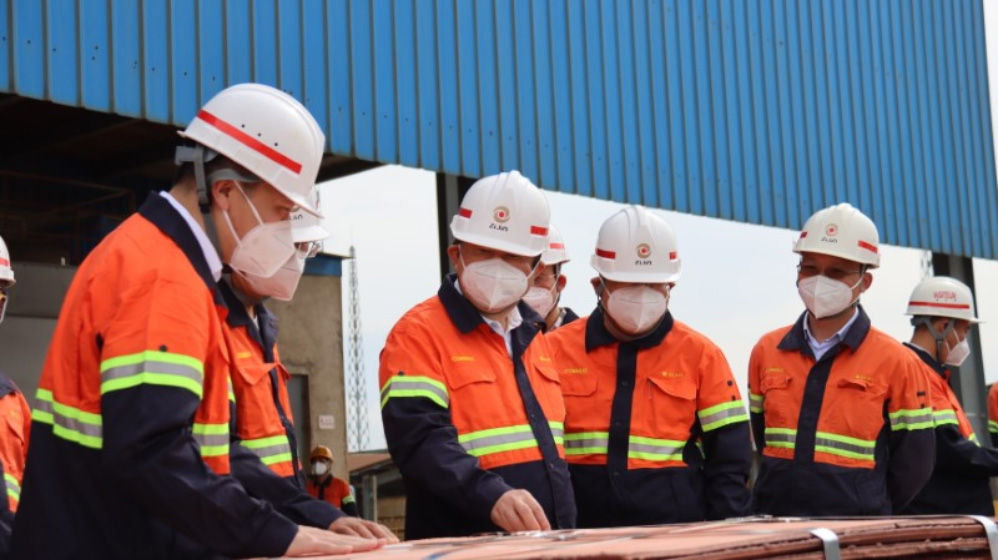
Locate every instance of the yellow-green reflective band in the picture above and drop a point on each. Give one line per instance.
(497, 440)
(911, 419)
(213, 439)
(587, 443)
(232, 393)
(755, 403)
(69, 423)
(993, 426)
(13, 487)
(781, 437)
(722, 415)
(651, 449)
(152, 368)
(944, 417)
(349, 499)
(558, 432)
(973, 438)
(845, 446)
(414, 386)
(270, 450)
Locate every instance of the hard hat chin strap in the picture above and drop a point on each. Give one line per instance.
(939, 337)
(197, 155)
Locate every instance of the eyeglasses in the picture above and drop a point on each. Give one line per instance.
(809, 270)
(308, 249)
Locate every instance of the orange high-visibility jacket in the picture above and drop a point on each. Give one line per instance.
(265, 458)
(466, 423)
(655, 429)
(334, 491)
(130, 434)
(850, 434)
(960, 483)
(13, 438)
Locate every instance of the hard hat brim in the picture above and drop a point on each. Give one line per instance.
(494, 244)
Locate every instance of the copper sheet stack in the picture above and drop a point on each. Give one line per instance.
(748, 539)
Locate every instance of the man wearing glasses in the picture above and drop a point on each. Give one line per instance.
(840, 410)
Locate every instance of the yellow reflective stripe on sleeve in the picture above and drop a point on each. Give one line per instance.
(69, 423)
(13, 487)
(212, 439)
(722, 415)
(911, 419)
(755, 403)
(270, 450)
(993, 426)
(152, 368)
(349, 499)
(415, 386)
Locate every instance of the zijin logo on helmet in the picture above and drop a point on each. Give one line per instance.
(501, 214)
(644, 252)
(831, 230)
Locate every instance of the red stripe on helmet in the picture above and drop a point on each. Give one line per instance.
(803, 234)
(940, 305)
(673, 255)
(867, 246)
(464, 212)
(556, 246)
(606, 254)
(4, 262)
(252, 143)
(538, 230)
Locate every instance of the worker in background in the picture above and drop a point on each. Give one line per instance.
(265, 461)
(326, 487)
(840, 410)
(14, 434)
(942, 312)
(130, 441)
(548, 284)
(470, 399)
(655, 428)
(993, 414)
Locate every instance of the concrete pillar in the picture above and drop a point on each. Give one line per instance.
(311, 343)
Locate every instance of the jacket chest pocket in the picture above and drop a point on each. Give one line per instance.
(779, 403)
(671, 405)
(474, 392)
(858, 407)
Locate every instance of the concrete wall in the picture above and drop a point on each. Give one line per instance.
(311, 342)
(31, 316)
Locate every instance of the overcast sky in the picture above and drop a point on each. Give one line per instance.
(737, 282)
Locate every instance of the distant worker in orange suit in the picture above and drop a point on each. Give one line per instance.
(548, 284)
(656, 430)
(14, 432)
(942, 312)
(840, 410)
(324, 486)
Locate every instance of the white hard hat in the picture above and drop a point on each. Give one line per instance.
(841, 231)
(6, 272)
(637, 246)
(555, 252)
(505, 212)
(942, 296)
(306, 227)
(266, 131)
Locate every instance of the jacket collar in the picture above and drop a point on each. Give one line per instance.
(238, 317)
(597, 335)
(164, 216)
(796, 338)
(7, 386)
(929, 360)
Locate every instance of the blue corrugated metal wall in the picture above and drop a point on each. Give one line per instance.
(757, 111)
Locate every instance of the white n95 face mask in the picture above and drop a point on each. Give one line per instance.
(493, 285)
(958, 354)
(540, 300)
(266, 256)
(825, 297)
(319, 469)
(636, 308)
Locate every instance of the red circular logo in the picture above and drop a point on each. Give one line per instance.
(644, 251)
(501, 214)
(831, 230)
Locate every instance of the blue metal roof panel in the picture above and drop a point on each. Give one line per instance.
(758, 111)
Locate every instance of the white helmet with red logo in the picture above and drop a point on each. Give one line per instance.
(841, 231)
(637, 246)
(266, 131)
(555, 252)
(505, 212)
(942, 296)
(6, 272)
